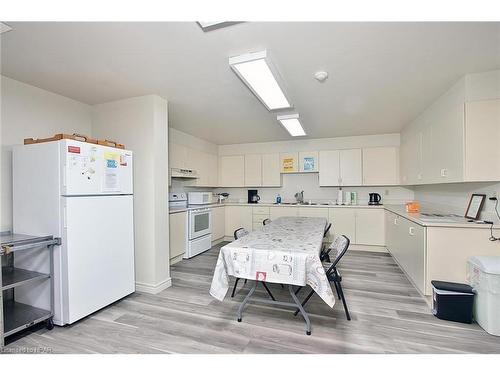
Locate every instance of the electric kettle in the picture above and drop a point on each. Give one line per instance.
(374, 199)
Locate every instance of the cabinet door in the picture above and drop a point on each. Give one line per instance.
(232, 171)
(308, 161)
(381, 166)
(253, 170)
(370, 226)
(343, 222)
(410, 157)
(177, 155)
(276, 212)
(218, 222)
(329, 168)
(314, 212)
(389, 230)
(213, 169)
(271, 174)
(482, 140)
(237, 217)
(289, 162)
(177, 234)
(350, 167)
(415, 267)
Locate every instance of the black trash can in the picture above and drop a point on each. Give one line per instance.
(452, 301)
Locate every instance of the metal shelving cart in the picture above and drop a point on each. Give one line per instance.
(15, 316)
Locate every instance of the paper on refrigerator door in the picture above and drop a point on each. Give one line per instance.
(111, 181)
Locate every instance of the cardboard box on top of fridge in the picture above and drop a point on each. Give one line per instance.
(75, 137)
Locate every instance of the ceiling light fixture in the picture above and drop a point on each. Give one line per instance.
(4, 28)
(214, 25)
(292, 124)
(256, 71)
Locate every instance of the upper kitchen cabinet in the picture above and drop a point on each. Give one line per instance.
(381, 166)
(253, 170)
(329, 172)
(177, 156)
(482, 140)
(340, 168)
(232, 171)
(308, 161)
(350, 167)
(271, 173)
(457, 138)
(289, 162)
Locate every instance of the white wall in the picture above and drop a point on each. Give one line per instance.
(293, 183)
(141, 123)
(27, 111)
(184, 139)
(454, 198)
(311, 144)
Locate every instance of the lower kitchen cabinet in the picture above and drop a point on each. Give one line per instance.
(218, 222)
(370, 224)
(237, 217)
(314, 212)
(363, 226)
(259, 214)
(407, 244)
(276, 212)
(178, 226)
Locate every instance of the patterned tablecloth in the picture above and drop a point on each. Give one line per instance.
(286, 251)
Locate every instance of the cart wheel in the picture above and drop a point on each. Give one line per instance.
(50, 324)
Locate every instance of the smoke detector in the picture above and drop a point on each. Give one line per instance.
(321, 76)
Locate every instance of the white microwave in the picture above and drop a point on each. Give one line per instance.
(198, 197)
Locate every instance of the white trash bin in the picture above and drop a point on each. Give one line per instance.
(483, 274)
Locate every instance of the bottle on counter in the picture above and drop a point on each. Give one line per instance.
(354, 198)
(278, 199)
(340, 197)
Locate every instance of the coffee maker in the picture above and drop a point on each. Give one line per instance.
(374, 199)
(253, 197)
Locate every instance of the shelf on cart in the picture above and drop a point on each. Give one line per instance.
(12, 277)
(18, 315)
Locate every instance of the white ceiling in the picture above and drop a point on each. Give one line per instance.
(381, 74)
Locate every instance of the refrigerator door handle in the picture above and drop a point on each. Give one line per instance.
(65, 218)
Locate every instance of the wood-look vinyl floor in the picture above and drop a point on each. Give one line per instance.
(388, 316)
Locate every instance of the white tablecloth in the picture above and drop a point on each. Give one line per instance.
(286, 251)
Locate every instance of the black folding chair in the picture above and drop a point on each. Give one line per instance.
(238, 233)
(339, 247)
(266, 221)
(323, 256)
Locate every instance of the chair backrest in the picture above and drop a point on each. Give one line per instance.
(327, 229)
(338, 248)
(240, 232)
(266, 221)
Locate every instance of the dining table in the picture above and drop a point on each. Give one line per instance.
(285, 251)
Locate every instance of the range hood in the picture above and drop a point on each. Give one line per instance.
(183, 173)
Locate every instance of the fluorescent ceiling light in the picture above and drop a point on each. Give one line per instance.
(214, 25)
(292, 124)
(4, 28)
(255, 71)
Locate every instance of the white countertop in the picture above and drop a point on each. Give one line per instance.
(398, 209)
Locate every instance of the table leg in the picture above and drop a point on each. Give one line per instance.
(245, 301)
(302, 311)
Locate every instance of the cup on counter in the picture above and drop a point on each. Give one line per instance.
(347, 198)
(354, 198)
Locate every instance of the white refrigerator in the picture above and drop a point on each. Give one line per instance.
(82, 193)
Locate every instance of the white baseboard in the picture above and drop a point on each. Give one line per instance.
(152, 288)
(216, 242)
(377, 249)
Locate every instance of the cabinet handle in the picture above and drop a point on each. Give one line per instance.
(411, 231)
(396, 221)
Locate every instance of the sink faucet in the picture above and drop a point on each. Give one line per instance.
(300, 197)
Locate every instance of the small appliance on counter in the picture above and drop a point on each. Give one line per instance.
(221, 197)
(253, 197)
(199, 197)
(177, 200)
(375, 199)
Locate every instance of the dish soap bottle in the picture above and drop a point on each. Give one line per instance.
(278, 199)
